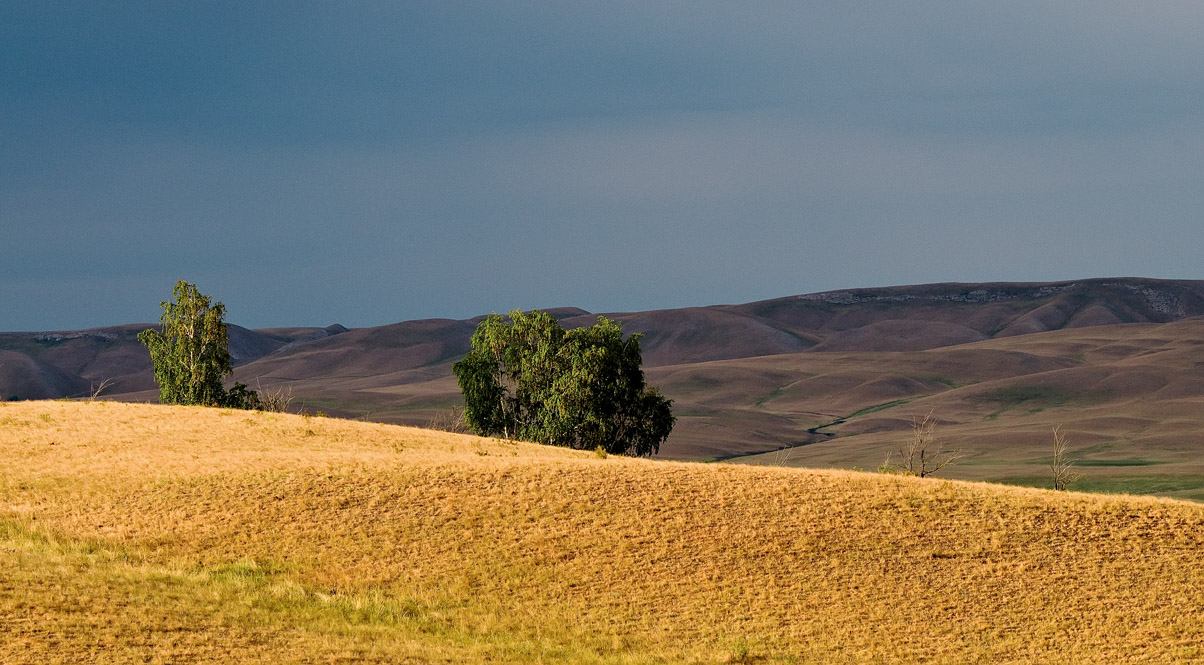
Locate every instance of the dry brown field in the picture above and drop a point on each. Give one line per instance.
(140, 533)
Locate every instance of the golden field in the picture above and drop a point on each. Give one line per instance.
(140, 533)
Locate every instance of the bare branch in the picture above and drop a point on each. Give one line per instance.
(97, 389)
(451, 420)
(919, 456)
(1063, 474)
(276, 400)
(782, 456)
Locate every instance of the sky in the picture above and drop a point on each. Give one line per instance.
(364, 163)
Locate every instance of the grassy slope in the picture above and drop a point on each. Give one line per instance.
(165, 534)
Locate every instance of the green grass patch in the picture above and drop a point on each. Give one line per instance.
(772, 395)
(244, 605)
(429, 402)
(943, 380)
(1176, 485)
(1117, 462)
(1016, 395)
(987, 461)
(244, 571)
(1126, 462)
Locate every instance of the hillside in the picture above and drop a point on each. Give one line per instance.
(905, 318)
(83, 359)
(170, 534)
(836, 376)
(1130, 398)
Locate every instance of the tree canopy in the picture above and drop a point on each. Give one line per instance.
(528, 378)
(191, 352)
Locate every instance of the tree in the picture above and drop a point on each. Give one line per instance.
(530, 379)
(920, 457)
(1063, 474)
(191, 352)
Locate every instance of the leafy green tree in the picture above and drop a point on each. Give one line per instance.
(191, 352)
(599, 398)
(528, 378)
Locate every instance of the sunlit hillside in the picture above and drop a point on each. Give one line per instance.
(139, 533)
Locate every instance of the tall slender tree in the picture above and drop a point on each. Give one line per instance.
(191, 352)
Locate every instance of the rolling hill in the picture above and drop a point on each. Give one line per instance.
(147, 533)
(834, 377)
(1131, 398)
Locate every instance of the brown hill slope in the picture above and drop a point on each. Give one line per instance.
(88, 357)
(26, 378)
(906, 318)
(892, 319)
(958, 313)
(1130, 397)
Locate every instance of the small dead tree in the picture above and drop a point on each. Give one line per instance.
(451, 420)
(275, 400)
(1061, 466)
(920, 456)
(97, 389)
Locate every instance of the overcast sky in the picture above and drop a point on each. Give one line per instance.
(366, 163)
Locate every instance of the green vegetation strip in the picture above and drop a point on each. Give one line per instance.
(875, 408)
(857, 414)
(1180, 486)
(1117, 462)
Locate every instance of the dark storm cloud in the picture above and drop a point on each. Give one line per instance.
(374, 162)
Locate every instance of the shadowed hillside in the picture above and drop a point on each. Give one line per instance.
(905, 318)
(85, 358)
(1130, 397)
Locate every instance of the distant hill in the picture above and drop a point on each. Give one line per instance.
(749, 378)
(81, 359)
(1129, 396)
(910, 318)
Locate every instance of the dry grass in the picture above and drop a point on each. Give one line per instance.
(167, 534)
